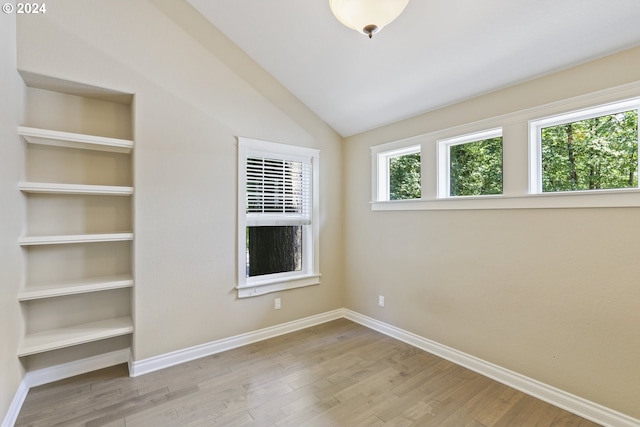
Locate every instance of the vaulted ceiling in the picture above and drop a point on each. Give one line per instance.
(436, 53)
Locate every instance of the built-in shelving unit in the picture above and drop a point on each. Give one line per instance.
(78, 187)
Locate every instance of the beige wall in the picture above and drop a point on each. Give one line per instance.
(549, 293)
(11, 213)
(194, 93)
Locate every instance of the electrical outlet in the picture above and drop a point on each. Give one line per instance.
(277, 304)
(381, 300)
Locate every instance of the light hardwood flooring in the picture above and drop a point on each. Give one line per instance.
(335, 374)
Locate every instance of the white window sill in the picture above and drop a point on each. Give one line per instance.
(574, 199)
(265, 286)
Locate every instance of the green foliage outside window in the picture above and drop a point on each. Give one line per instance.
(476, 168)
(404, 177)
(591, 154)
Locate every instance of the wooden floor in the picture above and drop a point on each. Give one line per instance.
(335, 374)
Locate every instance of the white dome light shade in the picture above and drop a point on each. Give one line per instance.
(367, 16)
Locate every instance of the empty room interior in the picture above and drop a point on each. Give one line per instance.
(214, 191)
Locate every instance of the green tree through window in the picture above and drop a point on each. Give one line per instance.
(476, 168)
(404, 177)
(591, 154)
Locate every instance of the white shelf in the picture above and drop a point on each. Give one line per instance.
(78, 238)
(74, 140)
(74, 287)
(54, 188)
(41, 342)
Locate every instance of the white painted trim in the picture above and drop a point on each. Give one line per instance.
(574, 404)
(60, 372)
(253, 286)
(381, 168)
(615, 198)
(277, 285)
(16, 405)
(185, 355)
(443, 152)
(522, 196)
(536, 126)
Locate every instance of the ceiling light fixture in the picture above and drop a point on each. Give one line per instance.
(367, 16)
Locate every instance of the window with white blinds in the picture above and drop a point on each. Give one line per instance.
(278, 191)
(277, 217)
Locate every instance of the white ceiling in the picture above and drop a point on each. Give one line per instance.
(436, 53)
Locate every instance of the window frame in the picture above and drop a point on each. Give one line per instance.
(535, 140)
(381, 158)
(444, 160)
(516, 160)
(309, 274)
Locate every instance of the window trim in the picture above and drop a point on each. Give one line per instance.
(535, 139)
(444, 160)
(516, 165)
(260, 285)
(381, 167)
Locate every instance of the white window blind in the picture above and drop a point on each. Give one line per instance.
(278, 190)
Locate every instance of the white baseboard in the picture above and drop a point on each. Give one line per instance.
(16, 405)
(574, 404)
(59, 372)
(185, 355)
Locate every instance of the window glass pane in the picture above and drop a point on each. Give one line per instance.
(277, 186)
(404, 177)
(476, 168)
(591, 154)
(273, 249)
